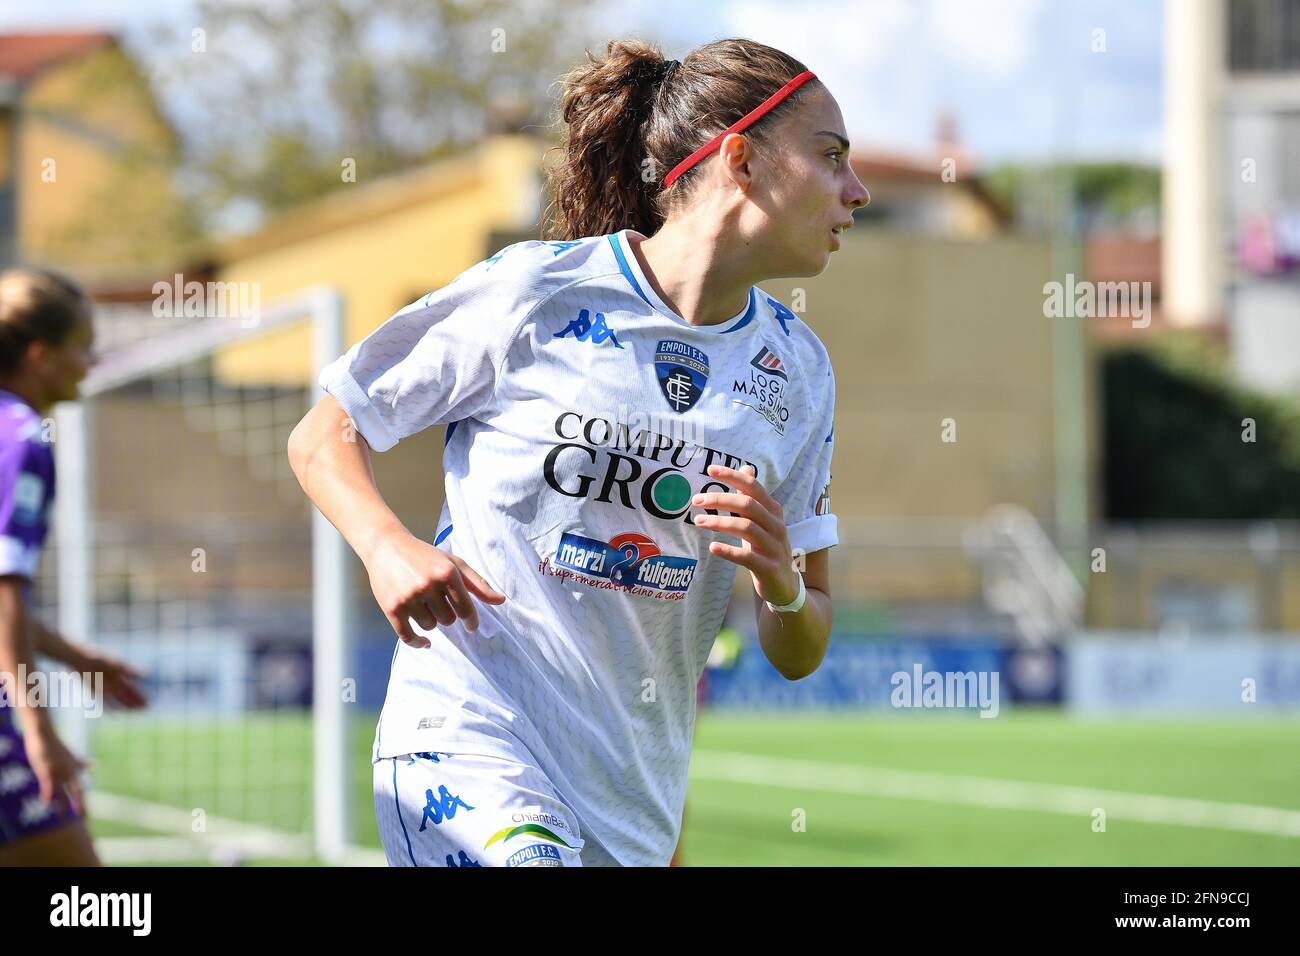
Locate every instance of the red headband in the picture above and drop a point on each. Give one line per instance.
(746, 121)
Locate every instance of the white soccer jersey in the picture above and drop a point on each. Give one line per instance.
(582, 415)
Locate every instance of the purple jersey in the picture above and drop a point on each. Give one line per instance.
(26, 486)
(26, 494)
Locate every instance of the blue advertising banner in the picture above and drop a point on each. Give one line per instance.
(979, 673)
(1237, 674)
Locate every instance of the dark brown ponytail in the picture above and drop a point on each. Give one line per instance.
(36, 305)
(627, 126)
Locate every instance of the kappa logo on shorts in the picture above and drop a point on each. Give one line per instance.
(441, 807)
(539, 854)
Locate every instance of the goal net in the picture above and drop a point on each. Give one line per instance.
(183, 545)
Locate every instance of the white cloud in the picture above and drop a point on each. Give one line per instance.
(993, 37)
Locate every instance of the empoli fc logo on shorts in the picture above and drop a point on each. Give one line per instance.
(539, 854)
(683, 371)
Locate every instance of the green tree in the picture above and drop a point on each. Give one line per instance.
(286, 92)
(1184, 442)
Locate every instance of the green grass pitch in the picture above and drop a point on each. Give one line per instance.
(809, 795)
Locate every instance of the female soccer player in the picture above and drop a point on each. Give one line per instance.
(629, 419)
(45, 351)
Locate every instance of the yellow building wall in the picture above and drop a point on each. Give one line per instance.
(94, 165)
(379, 259)
(923, 330)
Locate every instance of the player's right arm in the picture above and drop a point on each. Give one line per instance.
(410, 578)
(435, 362)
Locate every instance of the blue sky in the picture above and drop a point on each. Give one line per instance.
(1021, 76)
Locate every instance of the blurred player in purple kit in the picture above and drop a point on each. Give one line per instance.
(45, 351)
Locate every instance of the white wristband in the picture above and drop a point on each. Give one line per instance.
(794, 605)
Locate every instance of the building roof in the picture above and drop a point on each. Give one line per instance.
(348, 206)
(23, 55)
(882, 168)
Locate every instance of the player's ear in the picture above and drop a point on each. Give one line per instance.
(37, 353)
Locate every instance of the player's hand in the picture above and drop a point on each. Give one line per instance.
(57, 769)
(411, 578)
(119, 680)
(756, 517)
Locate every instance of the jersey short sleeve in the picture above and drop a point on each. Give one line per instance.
(438, 360)
(805, 494)
(26, 488)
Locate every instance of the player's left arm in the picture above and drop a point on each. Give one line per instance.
(119, 677)
(795, 642)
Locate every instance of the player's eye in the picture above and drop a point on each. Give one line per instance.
(836, 154)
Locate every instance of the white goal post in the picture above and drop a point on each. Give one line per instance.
(75, 528)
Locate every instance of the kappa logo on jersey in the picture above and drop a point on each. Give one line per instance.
(630, 559)
(585, 330)
(464, 860)
(539, 854)
(783, 315)
(562, 245)
(766, 386)
(683, 371)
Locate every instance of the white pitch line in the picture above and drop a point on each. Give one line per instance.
(221, 839)
(993, 793)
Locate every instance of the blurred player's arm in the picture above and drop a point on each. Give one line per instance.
(118, 677)
(52, 644)
(56, 768)
(17, 655)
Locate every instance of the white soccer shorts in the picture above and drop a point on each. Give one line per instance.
(438, 809)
